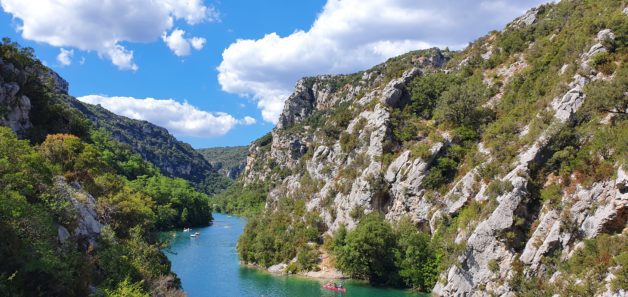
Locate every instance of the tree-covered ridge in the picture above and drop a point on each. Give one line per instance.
(533, 116)
(80, 211)
(229, 160)
(155, 144)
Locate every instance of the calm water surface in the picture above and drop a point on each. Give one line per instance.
(209, 266)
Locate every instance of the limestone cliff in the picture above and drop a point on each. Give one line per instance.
(341, 144)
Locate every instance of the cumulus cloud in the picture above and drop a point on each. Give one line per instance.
(247, 120)
(180, 45)
(65, 57)
(197, 42)
(103, 26)
(351, 35)
(181, 119)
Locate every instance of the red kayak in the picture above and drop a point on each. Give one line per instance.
(333, 288)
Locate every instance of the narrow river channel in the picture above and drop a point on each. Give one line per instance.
(208, 265)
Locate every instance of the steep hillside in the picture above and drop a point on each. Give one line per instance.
(156, 145)
(23, 109)
(33, 118)
(509, 157)
(229, 161)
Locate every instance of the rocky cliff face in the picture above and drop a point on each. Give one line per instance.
(15, 111)
(338, 147)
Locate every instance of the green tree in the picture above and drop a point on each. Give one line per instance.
(461, 105)
(184, 216)
(416, 259)
(127, 209)
(172, 198)
(609, 96)
(425, 92)
(127, 289)
(369, 251)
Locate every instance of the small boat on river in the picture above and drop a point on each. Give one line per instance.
(335, 287)
(186, 229)
(195, 234)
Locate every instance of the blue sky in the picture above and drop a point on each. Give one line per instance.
(254, 51)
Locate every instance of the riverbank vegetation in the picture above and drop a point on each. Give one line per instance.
(240, 199)
(281, 235)
(384, 254)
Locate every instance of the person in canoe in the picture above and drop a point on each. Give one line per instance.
(334, 287)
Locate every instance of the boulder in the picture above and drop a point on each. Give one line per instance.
(278, 268)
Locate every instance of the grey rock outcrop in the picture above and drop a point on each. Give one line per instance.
(567, 105)
(525, 20)
(16, 106)
(392, 93)
(298, 106)
(88, 225)
(278, 269)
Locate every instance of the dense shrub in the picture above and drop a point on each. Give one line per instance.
(376, 251)
(178, 203)
(279, 235)
(417, 259)
(426, 91)
(368, 251)
(240, 199)
(461, 105)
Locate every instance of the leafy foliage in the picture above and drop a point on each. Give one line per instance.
(280, 235)
(241, 200)
(426, 90)
(178, 203)
(376, 251)
(368, 251)
(417, 259)
(461, 105)
(29, 252)
(132, 211)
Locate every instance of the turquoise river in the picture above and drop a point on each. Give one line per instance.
(208, 266)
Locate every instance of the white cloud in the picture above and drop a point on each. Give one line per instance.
(193, 11)
(180, 45)
(351, 35)
(65, 57)
(198, 43)
(247, 120)
(103, 26)
(181, 119)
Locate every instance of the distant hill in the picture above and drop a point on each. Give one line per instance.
(173, 157)
(34, 102)
(230, 161)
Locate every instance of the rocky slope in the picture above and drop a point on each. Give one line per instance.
(229, 161)
(544, 176)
